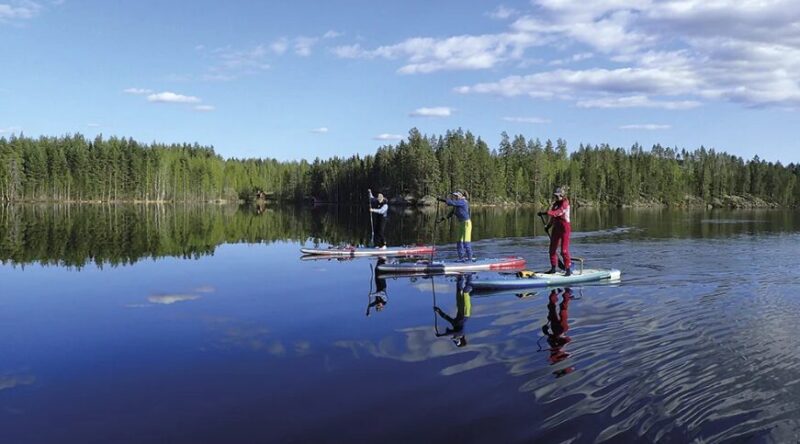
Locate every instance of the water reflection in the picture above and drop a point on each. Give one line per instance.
(378, 298)
(77, 235)
(556, 328)
(463, 312)
(699, 343)
(10, 381)
(168, 299)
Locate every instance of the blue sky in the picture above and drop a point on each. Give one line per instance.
(303, 79)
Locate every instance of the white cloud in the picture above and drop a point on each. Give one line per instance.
(321, 130)
(168, 299)
(93, 125)
(535, 120)
(637, 102)
(565, 83)
(230, 63)
(137, 91)
(350, 51)
(19, 10)
(502, 13)
(571, 59)
(303, 45)
(171, 97)
(279, 46)
(10, 129)
(437, 111)
(465, 52)
(646, 126)
(233, 63)
(386, 136)
(670, 54)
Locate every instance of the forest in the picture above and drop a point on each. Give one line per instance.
(73, 168)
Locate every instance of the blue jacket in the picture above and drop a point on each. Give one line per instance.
(461, 207)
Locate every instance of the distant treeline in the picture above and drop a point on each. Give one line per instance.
(73, 168)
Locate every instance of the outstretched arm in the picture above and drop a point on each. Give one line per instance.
(456, 202)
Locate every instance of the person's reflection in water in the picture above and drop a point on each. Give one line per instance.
(464, 305)
(556, 328)
(378, 298)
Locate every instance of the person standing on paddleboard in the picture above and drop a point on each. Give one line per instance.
(458, 200)
(560, 222)
(379, 210)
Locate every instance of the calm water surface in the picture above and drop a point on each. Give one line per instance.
(202, 324)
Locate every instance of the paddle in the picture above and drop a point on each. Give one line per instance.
(435, 315)
(550, 236)
(371, 224)
(433, 283)
(369, 295)
(433, 231)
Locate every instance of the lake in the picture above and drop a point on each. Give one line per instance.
(192, 323)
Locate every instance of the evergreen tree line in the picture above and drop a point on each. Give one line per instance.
(72, 168)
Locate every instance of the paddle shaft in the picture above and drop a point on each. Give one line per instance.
(433, 230)
(371, 224)
(435, 315)
(371, 277)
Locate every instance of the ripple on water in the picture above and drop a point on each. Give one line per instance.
(699, 342)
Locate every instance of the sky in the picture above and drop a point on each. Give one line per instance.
(307, 79)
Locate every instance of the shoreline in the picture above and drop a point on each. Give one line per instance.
(728, 202)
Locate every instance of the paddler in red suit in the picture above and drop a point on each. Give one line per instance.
(559, 220)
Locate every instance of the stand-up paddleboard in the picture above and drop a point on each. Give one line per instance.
(321, 257)
(440, 267)
(367, 251)
(538, 280)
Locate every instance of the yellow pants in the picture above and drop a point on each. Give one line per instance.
(465, 231)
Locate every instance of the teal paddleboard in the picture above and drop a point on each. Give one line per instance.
(539, 280)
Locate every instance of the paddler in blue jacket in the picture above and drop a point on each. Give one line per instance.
(458, 200)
